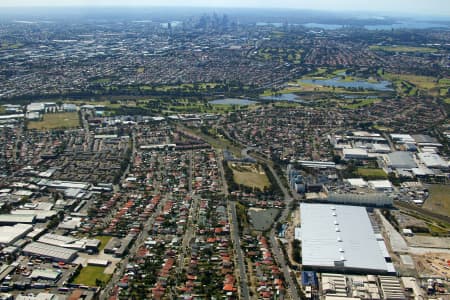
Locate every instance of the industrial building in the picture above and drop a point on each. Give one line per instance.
(54, 253)
(364, 199)
(349, 154)
(10, 234)
(402, 138)
(433, 160)
(339, 238)
(41, 215)
(381, 185)
(83, 244)
(401, 160)
(8, 219)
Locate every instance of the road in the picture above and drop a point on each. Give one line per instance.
(238, 252)
(238, 255)
(193, 214)
(288, 199)
(391, 145)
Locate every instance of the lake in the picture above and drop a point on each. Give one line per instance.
(230, 101)
(323, 26)
(284, 97)
(377, 86)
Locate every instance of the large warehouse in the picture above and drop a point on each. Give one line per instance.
(340, 238)
(54, 253)
(401, 160)
(10, 234)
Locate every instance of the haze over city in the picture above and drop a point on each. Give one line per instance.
(438, 7)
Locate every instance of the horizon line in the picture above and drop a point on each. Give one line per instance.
(133, 6)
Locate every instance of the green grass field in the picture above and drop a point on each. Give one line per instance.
(439, 200)
(56, 120)
(402, 49)
(104, 239)
(250, 175)
(371, 173)
(410, 84)
(89, 274)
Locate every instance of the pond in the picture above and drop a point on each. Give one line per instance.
(262, 219)
(357, 97)
(230, 101)
(360, 84)
(284, 97)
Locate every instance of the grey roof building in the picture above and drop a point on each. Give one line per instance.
(54, 253)
(9, 219)
(401, 160)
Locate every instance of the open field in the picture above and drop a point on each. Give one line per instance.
(104, 239)
(371, 173)
(57, 120)
(89, 274)
(439, 200)
(410, 84)
(251, 175)
(402, 49)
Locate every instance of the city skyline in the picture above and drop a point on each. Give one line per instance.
(436, 7)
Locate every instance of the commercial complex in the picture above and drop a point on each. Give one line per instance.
(338, 238)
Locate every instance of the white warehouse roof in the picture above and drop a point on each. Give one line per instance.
(339, 238)
(355, 152)
(381, 184)
(432, 160)
(9, 234)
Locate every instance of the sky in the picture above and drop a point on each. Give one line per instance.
(438, 7)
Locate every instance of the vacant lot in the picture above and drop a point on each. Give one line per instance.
(104, 239)
(89, 274)
(58, 120)
(262, 219)
(370, 173)
(251, 175)
(439, 200)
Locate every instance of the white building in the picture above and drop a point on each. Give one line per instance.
(340, 238)
(355, 154)
(381, 185)
(433, 160)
